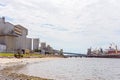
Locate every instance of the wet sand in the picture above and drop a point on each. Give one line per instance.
(9, 67)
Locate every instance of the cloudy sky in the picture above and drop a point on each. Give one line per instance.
(73, 25)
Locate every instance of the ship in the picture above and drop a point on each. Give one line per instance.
(106, 53)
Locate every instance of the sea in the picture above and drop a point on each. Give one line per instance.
(75, 69)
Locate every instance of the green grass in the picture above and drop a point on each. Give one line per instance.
(24, 55)
(6, 54)
(33, 55)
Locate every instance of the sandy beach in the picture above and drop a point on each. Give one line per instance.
(4, 61)
(9, 66)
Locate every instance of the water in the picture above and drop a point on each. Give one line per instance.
(76, 69)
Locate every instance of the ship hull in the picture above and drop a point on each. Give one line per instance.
(104, 56)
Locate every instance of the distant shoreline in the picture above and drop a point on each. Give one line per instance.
(9, 67)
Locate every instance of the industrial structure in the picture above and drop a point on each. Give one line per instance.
(15, 37)
(35, 43)
(111, 52)
(49, 50)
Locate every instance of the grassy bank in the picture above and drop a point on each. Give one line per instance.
(6, 54)
(30, 55)
(11, 55)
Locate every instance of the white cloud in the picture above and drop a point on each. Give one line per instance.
(69, 24)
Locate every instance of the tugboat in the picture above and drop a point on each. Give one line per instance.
(107, 53)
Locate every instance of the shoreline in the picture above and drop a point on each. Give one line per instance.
(10, 66)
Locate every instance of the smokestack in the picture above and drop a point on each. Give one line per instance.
(116, 49)
(3, 18)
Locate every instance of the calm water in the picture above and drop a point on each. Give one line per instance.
(76, 69)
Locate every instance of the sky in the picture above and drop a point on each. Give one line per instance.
(73, 25)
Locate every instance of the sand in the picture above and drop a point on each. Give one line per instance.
(14, 61)
(8, 66)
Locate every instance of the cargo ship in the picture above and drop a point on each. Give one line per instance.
(107, 53)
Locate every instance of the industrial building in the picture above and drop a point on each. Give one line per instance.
(14, 37)
(36, 44)
(43, 46)
(47, 48)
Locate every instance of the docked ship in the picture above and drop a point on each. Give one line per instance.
(107, 53)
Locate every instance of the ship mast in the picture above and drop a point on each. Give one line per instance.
(116, 48)
(116, 51)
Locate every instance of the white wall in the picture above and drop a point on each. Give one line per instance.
(2, 48)
(35, 43)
